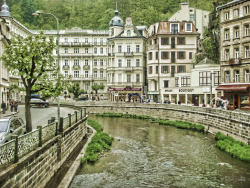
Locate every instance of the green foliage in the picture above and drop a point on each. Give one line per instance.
(76, 90)
(97, 87)
(178, 124)
(99, 142)
(235, 148)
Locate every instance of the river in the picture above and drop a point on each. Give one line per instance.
(146, 154)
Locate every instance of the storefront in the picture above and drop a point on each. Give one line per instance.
(125, 94)
(237, 95)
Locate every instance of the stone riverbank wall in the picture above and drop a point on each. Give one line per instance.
(233, 123)
(32, 159)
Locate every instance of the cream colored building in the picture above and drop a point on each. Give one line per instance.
(234, 53)
(171, 47)
(126, 70)
(199, 17)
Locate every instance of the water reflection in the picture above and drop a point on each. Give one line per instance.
(148, 155)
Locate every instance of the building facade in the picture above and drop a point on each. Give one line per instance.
(235, 57)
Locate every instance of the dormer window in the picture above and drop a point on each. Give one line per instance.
(129, 33)
(174, 28)
(236, 12)
(226, 15)
(188, 27)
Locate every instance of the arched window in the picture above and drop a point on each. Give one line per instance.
(129, 33)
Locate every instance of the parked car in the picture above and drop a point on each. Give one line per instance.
(11, 126)
(39, 103)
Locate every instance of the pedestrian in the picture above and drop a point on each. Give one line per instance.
(12, 106)
(3, 106)
(16, 106)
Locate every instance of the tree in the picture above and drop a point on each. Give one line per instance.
(76, 90)
(30, 58)
(97, 87)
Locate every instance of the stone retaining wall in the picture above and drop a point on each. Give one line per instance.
(39, 166)
(234, 124)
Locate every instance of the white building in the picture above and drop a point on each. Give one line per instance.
(199, 17)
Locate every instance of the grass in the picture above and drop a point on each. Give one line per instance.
(99, 142)
(235, 148)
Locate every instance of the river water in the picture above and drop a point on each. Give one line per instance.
(146, 154)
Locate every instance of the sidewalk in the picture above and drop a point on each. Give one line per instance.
(7, 114)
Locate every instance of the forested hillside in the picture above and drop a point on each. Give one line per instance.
(96, 14)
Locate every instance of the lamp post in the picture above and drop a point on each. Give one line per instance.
(37, 13)
(211, 84)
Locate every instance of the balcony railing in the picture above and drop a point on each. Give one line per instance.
(65, 67)
(128, 54)
(74, 44)
(86, 67)
(234, 62)
(76, 66)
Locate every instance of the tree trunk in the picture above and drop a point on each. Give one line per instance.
(27, 112)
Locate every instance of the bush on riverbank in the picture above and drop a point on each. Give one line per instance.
(99, 142)
(235, 148)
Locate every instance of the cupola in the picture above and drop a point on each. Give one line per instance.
(5, 10)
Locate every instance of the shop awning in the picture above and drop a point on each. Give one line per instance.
(234, 87)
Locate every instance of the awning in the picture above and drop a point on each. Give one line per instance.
(234, 87)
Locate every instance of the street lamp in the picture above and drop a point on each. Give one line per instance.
(37, 13)
(211, 84)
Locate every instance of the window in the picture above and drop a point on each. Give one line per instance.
(101, 41)
(150, 70)
(95, 50)
(227, 34)
(86, 62)
(76, 50)
(181, 40)
(176, 81)
(95, 74)
(101, 62)
(236, 52)
(247, 76)
(86, 50)
(188, 27)
(137, 62)
(128, 62)
(66, 62)
(190, 55)
(101, 74)
(216, 78)
(95, 62)
(95, 41)
(164, 55)
(156, 55)
(172, 57)
(66, 74)
(137, 78)
(86, 86)
(128, 48)
(226, 15)
(204, 78)
(227, 54)
(86, 40)
(156, 69)
(181, 55)
(66, 50)
(192, 17)
(76, 74)
(119, 63)
(227, 76)
(172, 70)
(76, 62)
(165, 83)
(119, 77)
(237, 76)
(150, 56)
(86, 75)
(247, 30)
(76, 40)
(181, 68)
(128, 33)
(172, 42)
(164, 41)
(164, 69)
(101, 50)
(119, 49)
(137, 48)
(236, 12)
(66, 40)
(128, 78)
(246, 9)
(174, 28)
(185, 81)
(236, 32)
(247, 52)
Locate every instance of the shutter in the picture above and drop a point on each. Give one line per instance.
(184, 68)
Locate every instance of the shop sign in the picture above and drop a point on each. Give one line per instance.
(186, 90)
(168, 90)
(153, 93)
(124, 89)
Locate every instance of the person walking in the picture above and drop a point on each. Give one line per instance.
(16, 106)
(12, 106)
(3, 106)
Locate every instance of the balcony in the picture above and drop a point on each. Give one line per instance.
(128, 54)
(76, 66)
(65, 67)
(74, 44)
(86, 67)
(233, 62)
(110, 54)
